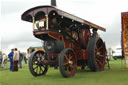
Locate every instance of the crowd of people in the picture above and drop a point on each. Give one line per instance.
(15, 58)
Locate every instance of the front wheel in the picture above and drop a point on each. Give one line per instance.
(36, 66)
(67, 62)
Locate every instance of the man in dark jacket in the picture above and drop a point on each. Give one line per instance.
(1, 58)
(20, 59)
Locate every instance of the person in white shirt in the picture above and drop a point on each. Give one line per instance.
(5, 60)
(15, 59)
(28, 54)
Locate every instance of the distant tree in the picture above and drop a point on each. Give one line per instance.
(113, 51)
(0, 52)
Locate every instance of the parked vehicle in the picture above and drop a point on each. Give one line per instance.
(118, 57)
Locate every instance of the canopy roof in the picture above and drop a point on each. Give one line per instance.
(29, 14)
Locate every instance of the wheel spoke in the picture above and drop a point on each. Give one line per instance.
(35, 67)
(66, 57)
(70, 57)
(101, 56)
(43, 66)
(66, 63)
(37, 70)
(34, 59)
(71, 67)
(34, 62)
(98, 43)
(100, 47)
(68, 69)
(99, 62)
(37, 55)
(41, 56)
(41, 70)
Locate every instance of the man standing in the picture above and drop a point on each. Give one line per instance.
(25, 58)
(15, 60)
(1, 58)
(28, 54)
(10, 55)
(20, 59)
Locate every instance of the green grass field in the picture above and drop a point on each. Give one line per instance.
(117, 75)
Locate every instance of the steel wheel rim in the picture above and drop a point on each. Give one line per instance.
(100, 54)
(69, 63)
(37, 64)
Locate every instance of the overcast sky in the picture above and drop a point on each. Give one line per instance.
(17, 33)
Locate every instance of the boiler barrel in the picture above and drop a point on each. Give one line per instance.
(84, 36)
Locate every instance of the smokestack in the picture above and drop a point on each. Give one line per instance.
(53, 2)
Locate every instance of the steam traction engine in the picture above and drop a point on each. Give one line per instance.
(69, 42)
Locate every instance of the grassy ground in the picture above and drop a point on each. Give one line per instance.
(117, 75)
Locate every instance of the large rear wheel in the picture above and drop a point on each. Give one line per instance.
(36, 65)
(96, 53)
(67, 62)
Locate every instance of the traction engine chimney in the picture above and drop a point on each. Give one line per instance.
(53, 2)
